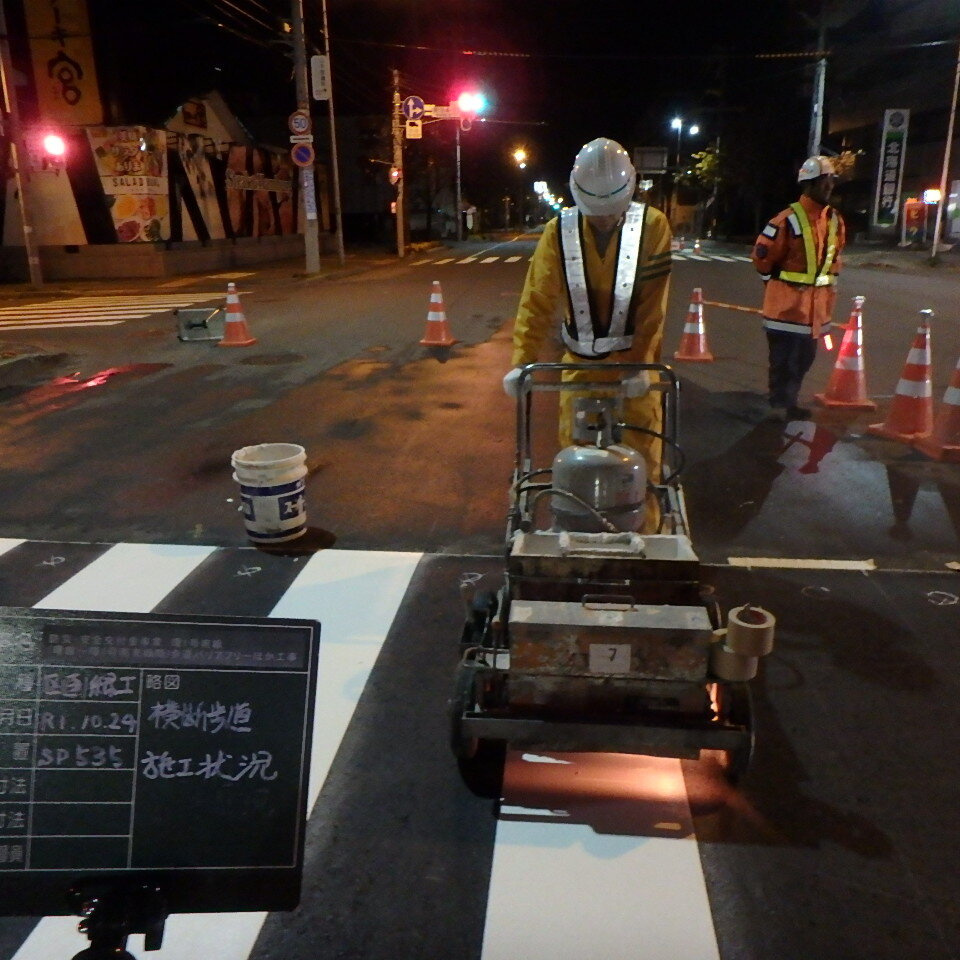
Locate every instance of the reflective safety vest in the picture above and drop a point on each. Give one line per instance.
(814, 275)
(582, 332)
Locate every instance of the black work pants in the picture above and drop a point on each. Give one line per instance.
(791, 356)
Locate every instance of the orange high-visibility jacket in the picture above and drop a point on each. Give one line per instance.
(798, 256)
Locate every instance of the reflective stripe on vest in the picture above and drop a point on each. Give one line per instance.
(580, 331)
(812, 276)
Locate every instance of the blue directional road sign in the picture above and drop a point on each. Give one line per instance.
(413, 108)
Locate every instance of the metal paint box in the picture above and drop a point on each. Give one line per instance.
(612, 640)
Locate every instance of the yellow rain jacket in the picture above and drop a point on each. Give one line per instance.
(545, 301)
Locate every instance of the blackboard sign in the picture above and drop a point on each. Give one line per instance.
(171, 751)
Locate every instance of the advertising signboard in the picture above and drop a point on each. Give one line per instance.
(893, 148)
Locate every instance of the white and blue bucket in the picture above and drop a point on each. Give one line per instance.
(272, 477)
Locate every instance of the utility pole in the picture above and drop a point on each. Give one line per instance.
(459, 192)
(337, 212)
(397, 133)
(18, 154)
(816, 107)
(308, 193)
(946, 163)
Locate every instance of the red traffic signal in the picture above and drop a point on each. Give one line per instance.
(54, 146)
(471, 102)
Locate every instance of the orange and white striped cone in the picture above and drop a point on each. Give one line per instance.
(944, 442)
(911, 412)
(437, 333)
(693, 343)
(847, 386)
(235, 332)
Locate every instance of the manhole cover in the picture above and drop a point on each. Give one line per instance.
(272, 359)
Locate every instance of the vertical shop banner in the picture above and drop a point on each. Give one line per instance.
(132, 163)
(196, 165)
(953, 211)
(893, 148)
(61, 54)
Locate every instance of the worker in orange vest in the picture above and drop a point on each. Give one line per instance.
(798, 258)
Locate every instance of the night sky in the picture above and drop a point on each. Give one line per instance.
(557, 72)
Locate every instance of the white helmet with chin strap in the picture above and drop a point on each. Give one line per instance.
(813, 167)
(603, 179)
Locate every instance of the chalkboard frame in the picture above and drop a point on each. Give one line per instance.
(226, 649)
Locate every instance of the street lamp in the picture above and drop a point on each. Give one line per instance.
(677, 124)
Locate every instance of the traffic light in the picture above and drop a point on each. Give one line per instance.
(470, 103)
(53, 150)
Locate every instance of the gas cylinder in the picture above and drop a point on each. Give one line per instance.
(609, 477)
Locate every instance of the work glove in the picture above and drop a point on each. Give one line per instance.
(511, 383)
(636, 386)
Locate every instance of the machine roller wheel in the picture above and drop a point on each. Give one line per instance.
(480, 761)
(736, 707)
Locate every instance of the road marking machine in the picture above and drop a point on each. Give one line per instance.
(601, 637)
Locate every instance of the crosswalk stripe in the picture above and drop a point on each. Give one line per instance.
(587, 880)
(445, 260)
(97, 311)
(334, 587)
(512, 259)
(489, 259)
(467, 260)
(31, 325)
(653, 885)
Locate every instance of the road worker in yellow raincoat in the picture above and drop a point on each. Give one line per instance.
(602, 266)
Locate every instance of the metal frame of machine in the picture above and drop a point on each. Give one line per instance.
(598, 642)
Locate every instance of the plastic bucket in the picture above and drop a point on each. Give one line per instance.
(272, 477)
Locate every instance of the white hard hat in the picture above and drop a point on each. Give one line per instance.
(602, 179)
(814, 167)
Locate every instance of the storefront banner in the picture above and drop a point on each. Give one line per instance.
(132, 163)
(61, 54)
(893, 148)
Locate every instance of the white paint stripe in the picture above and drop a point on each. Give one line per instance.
(467, 260)
(914, 388)
(444, 260)
(741, 258)
(8, 543)
(952, 396)
(696, 256)
(721, 256)
(678, 256)
(512, 259)
(420, 263)
(94, 313)
(489, 259)
(8, 325)
(567, 890)
(801, 564)
(128, 578)
(355, 595)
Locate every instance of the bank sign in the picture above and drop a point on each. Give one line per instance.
(893, 148)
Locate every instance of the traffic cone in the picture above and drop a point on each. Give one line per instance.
(944, 442)
(693, 343)
(911, 412)
(847, 386)
(437, 334)
(235, 332)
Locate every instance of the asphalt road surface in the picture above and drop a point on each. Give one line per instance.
(117, 493)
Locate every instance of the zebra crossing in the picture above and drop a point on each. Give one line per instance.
(568, 883)
(678, 255)
(97, 311)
